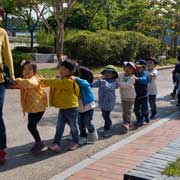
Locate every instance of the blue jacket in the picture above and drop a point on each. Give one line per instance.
(85, 91)
(106, 93)
(141, 85)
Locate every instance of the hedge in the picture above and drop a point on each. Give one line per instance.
(106, 47)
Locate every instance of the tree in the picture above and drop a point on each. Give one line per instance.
(60, 10)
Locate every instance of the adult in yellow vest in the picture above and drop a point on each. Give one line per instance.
(5, 59)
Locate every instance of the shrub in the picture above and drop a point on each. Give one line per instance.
(24, 49)
(17, 58)
(107, 47)
(44, 49)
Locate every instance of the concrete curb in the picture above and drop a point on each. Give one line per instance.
(77, 167)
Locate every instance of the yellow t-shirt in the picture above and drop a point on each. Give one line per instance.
(5, 54)
(64, 93)
(33, 96)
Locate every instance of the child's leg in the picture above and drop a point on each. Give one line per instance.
(128, 105)
(72, 116)
(137, 105)
(107, 119)
(144, 109)
(60, 127)
(81, 124)
(152, 103)
(33, 119)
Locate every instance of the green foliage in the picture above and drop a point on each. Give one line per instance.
(164, 62)
(44, 38)
(107, 47)
(17, 58)
(173, 169)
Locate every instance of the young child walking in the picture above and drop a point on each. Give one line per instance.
(152, 87)
(86, 106)
(64, 96)
(141, 100)
(106, 95)
(126, 82)
(33, 100)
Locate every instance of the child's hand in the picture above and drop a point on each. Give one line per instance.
(136, 78)
(98, 78)
(151, 75)
(73, 77)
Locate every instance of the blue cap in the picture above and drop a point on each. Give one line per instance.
(141, 62)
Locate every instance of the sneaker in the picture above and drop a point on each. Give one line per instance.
(138, 123)
(82, 140)
(73, 146)
(92, 137)
(37, 147)
(55, 148)
(126, 126)
(2, 156)
(107, 133)
(69, 137)
(146, 120)
(173, 95)
(153, 116)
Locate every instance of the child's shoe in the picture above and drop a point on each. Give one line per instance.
(55, 148)
(107, 133)
(92, 137)
(126, 126)
(146, 119)
(37, 147)
(153, 116)
(73, 146)
(2, 156)
(82, 140)
(138, 123)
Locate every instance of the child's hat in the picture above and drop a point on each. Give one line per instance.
(129, 63)
(140, 63)
(110, 68)
(152, 59)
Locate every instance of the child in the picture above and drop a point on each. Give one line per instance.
(86, 106)
(152, 87)
(141, 100)
(175, 77)
(64, 96)
(33, 100)
(126, 84)
(106, 95)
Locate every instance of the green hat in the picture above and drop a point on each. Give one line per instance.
(110, 68)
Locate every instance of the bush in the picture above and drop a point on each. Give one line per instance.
(44, 49)
(24, 49)
(17, 58)
(106, 47)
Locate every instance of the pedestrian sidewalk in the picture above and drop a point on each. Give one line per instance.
(132, 152)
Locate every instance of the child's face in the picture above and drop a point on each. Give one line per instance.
(140, 68)
(108, 75)
(128, 70)
(64, 72)
(28, 71)
(150, 65)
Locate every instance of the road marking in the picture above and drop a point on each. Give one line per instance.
(81, 165)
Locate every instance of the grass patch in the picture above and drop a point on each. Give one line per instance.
(49, 73)
(173, 169)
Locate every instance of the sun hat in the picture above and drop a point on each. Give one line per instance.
(152, 59)
(129, 63)
(110, 68)
(141, 63)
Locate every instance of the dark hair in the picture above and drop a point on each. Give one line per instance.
(178, 57)
(71, 65)
(1, 12)
(85, 73)
(32, 64)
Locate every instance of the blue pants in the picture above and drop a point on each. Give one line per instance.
(69, 116)
(2, 126)
(107, 120)
(141, 108)
(152, 103)
(85, 121)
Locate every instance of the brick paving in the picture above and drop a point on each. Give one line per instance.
(116, 164)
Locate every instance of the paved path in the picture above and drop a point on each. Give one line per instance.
(114, 165)
(22, 165)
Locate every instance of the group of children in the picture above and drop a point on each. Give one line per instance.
(72, 94)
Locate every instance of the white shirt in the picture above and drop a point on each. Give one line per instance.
(83, 108)
(126, 87)
(152, 87)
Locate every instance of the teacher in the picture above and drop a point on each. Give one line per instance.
(5, 59)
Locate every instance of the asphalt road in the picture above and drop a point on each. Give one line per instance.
(21, 165)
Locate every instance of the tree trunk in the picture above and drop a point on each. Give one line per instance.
(32, 40)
